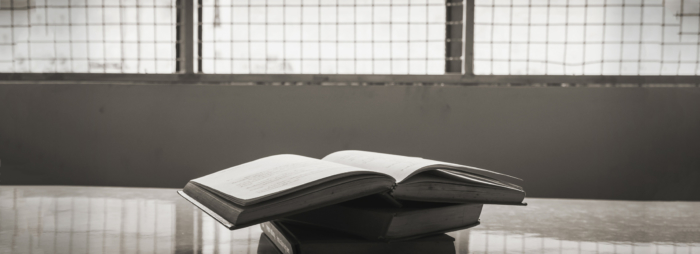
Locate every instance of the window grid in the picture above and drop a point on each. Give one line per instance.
(511, 37)
(591, 37)
(88, 36)
(325, 37)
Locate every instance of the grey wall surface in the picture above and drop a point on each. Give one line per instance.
(602, 143)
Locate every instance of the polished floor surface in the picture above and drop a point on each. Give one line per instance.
(60, 219)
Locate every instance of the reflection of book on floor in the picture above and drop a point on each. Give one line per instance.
(265, 245)
(373, 219)
(292, 238)
(282, 185)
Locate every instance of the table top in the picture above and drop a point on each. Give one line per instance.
(71, 219)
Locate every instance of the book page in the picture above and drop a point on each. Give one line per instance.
(397, 166)
(271, 175)
(474, 170)
(477, 179)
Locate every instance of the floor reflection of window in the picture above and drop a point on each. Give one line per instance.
(215, 238)
(488, 241)
(44, 224)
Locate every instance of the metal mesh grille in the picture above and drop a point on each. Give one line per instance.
(93, 36)
(587, 37)
(328, 37)
(511, 37)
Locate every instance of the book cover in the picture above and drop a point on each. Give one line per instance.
(292, 238)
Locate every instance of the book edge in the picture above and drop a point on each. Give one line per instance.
(399, 198)
(206, 210)
(477, 223)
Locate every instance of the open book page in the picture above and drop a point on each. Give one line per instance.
(476, 179)
(473, 170)
(271, 175)
(397, 166)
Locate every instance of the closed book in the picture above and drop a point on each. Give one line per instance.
(292, 238)
(265, 245)
(372, 219)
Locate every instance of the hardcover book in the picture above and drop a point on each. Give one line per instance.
(282, 185)
(372, 219)
(291, 238)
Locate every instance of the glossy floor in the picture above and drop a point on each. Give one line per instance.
(59, 219)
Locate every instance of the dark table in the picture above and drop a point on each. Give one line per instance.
(67, 219)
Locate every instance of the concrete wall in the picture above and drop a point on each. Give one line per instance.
(605, 143)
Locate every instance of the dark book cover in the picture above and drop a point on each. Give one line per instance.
(265, 245)
(293, 238)
(372, 219)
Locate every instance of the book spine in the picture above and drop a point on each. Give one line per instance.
(386, 196)
(277, 238)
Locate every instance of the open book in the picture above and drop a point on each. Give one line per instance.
(282, 185)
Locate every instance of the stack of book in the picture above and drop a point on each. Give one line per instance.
(351, 201)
